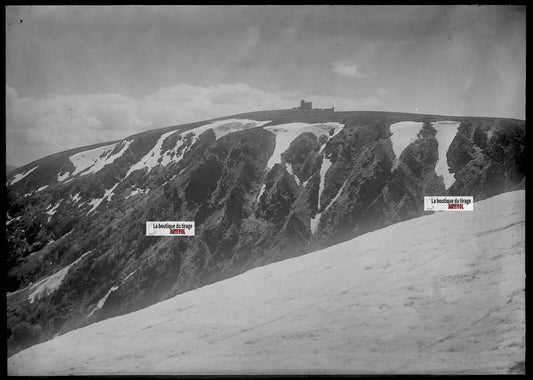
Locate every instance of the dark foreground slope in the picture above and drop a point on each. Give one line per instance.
(77, 250)
(443, 293)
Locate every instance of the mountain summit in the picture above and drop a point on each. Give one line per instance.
(261, 187)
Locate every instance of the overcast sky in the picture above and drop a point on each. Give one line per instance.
(82, 75)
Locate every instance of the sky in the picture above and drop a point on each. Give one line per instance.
(79, 75)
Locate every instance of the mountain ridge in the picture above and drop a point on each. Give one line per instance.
(342, 174)
(260, 114)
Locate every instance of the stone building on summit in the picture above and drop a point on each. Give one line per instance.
(309, 106)
(306, 105)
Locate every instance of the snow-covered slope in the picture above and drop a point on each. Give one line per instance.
(443, 293)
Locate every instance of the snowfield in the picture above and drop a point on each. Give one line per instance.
(93, 160)
(221, 128)
(443, 293)
(227, 126)
(286, 133)
(403, 134)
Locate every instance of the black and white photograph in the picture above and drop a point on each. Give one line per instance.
(265, 190)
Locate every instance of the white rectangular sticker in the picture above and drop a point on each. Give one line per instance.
(449, 203)
(169, 228)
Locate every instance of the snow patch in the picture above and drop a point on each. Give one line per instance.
(446, 131)
(54, 209)
(75, 198)
(99, 165)
(128, 276)
(62, 177)
(137, 191)
(42, 188)
(150, 159)
(286, 133)
(50, 284)
(64, 236)
(97, 201)
(8, 222)
(101, 302)
(314, 222)
(291, 172)
(326, 164)
(170, 180)
(109, 193)
(18, 177)
(337, 195)
(9, 294)
(403, 134)
(316, 219)
(263, 187)
(171, 155)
